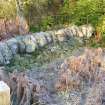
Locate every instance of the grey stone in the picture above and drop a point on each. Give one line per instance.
(49, 37)
(61, 35)
(1, 58)
(13, 45)
(21, 45)
(90, 31)
(74, 30)
(30, 43)
(69, 32)
(53, 35)
(40, 39)
(84, 30)
(6, 53)
(87, 30)
(80, 34)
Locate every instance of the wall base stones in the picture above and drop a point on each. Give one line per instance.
(29, 43)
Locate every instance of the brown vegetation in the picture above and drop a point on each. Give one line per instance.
(85, 70)
(76, 71)
(24, 88)
(11, 27)
(98, 36)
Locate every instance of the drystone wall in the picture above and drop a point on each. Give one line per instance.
(29, 43)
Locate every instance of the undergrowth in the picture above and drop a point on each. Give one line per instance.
(95, 44)
(41, 57)
(58, 50)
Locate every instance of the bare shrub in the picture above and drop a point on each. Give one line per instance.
(28, 91)
(24, 88)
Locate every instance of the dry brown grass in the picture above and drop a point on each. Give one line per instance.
(85, 70)
(76, 71)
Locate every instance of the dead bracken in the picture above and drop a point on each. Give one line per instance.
(84, 71)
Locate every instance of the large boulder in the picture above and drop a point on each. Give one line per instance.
(48, 37)
(41, 39)
(28, 43)
(90, 31)
(80, 34)
(13, 45)
(61, 35)
(69, 32)
(53, 35)
(74, 30)
(87, 30)
(83, 30)
(6, 53)
(21, 45)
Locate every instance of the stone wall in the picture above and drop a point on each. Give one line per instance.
(29, 43)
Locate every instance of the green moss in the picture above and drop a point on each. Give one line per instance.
(34, 29)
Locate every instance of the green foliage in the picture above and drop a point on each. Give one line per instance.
(71, 11)
(34, 29)
(83, 11)
(101, 25)
(47, 23)
(35, 7)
